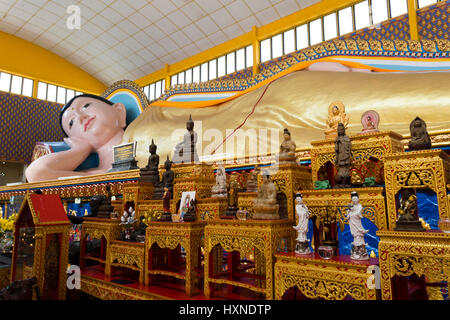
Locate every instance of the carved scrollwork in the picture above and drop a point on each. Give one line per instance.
(324, 289)
(245, 245)
(406, 265)
(126, 259)
(163, 241)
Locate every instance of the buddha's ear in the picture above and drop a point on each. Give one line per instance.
(122, 113)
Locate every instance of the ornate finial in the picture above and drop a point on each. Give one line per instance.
(190, 118)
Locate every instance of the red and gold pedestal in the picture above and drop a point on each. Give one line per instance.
(150, 209)
(127, 254)
(105, 230)
(403, 254)
(136, 192)
(425, 169)
(371, 199)
(192, 177)
(246, 201)
(316, 278)
(263, 237)
(4, 276)
(170, 236)
(364, 146)
(211, 208)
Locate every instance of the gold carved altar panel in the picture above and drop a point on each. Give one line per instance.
(97, 228)
(192, 177)
(169, 235)
(244, 236)
(246, 201)
(106, 290)
(417, 169)
(150, 209)
(364, 146)
(129, 255)
(211, 208)
(4, 276)
(318, 278)
(138, 191)
(371, 199)
(407, 253)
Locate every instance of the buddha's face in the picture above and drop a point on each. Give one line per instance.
(417, 123)
(93, 120)
(335, 110)
(355, 199)
(287, 136)
(298, 200)
(341, 129)
(190, 125)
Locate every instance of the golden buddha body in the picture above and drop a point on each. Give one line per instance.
(336, 115)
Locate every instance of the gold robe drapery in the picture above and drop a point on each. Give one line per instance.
(299, 101)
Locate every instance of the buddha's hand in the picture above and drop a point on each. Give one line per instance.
(78, 144)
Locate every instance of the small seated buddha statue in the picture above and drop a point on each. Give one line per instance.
(369, 121)
(420, 139)
(220, 188)
(287, 149)
(336, 115)
(150, 172)
(101, 205)
(168, 175)
(265, 205)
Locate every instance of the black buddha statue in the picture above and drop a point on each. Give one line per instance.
(343, 150)
(190, 215)
(150, 172)
(420, 139)
(101, 205)
(168, 176)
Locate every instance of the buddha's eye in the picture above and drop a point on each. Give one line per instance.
(86, 105)
(70, 123)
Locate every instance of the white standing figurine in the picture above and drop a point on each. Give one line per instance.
(301, 243)
(131, 218)
(124, 218)
(354, 215)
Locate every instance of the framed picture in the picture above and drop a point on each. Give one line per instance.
(185, 202)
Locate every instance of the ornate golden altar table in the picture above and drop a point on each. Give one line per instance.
(244, 236)
(417, 169)
(318, 278)
(98, 228)
(170, 235)
(364, 146)
(407, 253)
(129, 255)
(371, 199)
